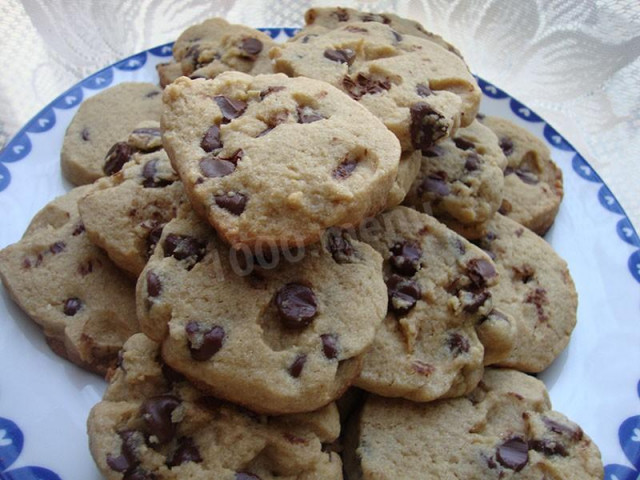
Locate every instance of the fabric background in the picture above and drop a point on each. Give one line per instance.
(575, 62)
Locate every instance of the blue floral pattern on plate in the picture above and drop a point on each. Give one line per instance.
(11, 437)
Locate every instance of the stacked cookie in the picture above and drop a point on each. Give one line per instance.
(242, 262)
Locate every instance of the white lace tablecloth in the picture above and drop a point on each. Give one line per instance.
(575, 62)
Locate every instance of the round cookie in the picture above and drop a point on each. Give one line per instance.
(281, 332)
(84, 304)
(334, 17)
(533, 187)
(438, 287)
(536, 289)
(124, 213)
(505, 429)
(215, 46)
(460, 180)
(420, 91)
(168, 72)
(276, 160)
(100, 122)
(153, 424)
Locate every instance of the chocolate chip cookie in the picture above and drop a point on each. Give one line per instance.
(421, 91)
(100, 122)
(504, 429)
(460, 180)
(440, 303)
(536, 289)
(124, 213)
(84, 304)
(153, 424)
(276, 160)
(533, 186)
(278, 332)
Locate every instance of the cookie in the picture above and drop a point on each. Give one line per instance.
(152, 423)
(503, 429)
(281, 332)
(276, 160)
(533, 187)
(168, 72)
(408, 170)
(124, 213)
(460, 180)
(100, 122)
(536, 290)
(420, 91)
(84, 304)
(215, 46)
(334, 17)
(438, 287)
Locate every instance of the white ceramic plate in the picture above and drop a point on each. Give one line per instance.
(44, 401)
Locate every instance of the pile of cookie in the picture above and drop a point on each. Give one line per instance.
(308, 260)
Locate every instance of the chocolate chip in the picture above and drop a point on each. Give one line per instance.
(297, 305)
(513, 453)
(339, 246)
(183, 247)
(396, 36)
(548, 447)
(403, 294)
(270, 90)
(149, 172)
(298, 364)
(363, 85)
(215, 167)
(506, 144)
(153, 237)
(330, 346)
(71, 306)
(463, 144)
(85, 134)
(154, 285)
(433, 151)
(117, 156)
(354, 29)
(139, 473)
(211, 139)
(252, 46)
(526, 176)
(435, 183)
(119, 463)
(574, 434)
(427, 126)
(472, 301)
(458, 344)
(341, 55)
(127, 460)
(246, 476)
(405, 258)
(204, 342)
(307, 114)
(234, 204)
(186, 452)
(423, 90)
(480, 271)
(78, 230)
(157, 413)
(538, 297)
(422, 368)
(345, 169)
(472, 162)
(229, 107)
(57, 247)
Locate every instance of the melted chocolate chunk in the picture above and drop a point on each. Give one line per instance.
(85, 134)
(154, 285)
(78, 230)
(513, 454)
(472, 162)
(72, 306)
(153, 237)
(341, 56)
(548, 447)
(215, 167)
(204, 342)
(330, 346)
(117, 156)
(252, 46)
(127, 460)
(229, 107)
(463, 144)
(403, 294)
(307, 114)
(423, 90)
(405, 258)
(575, 433)
(458, 344)
(297, 305)
(506, 144)
(156, 413)
(57, 247)
(472, 301)
(339, 246)
(211, 139)
(345, 169)
(298, 364)
(270, 90)
(433, 151)
(234, 204)
(149, 172)
(435, 183)
(363, 85)
(538, 297)
(480, 271)
(183, 247)
(426, 126)
(185, 452)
